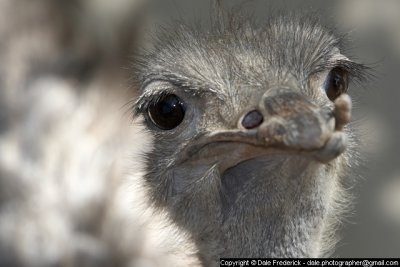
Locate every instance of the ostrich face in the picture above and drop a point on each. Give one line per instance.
(247, 123)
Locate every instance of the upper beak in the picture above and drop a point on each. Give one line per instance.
(292, 122)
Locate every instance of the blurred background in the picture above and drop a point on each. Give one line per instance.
(66, 134)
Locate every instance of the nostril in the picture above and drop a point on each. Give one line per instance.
(252, 119)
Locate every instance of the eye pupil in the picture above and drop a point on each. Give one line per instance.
(336, 83)
(168, 112)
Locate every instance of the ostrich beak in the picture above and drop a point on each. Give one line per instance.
(285, 121)
(292, 122)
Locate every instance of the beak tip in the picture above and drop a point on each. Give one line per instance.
(342, 111)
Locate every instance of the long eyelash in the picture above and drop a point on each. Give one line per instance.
(357, 72)
(147, 100)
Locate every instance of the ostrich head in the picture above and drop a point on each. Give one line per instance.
(250, 133)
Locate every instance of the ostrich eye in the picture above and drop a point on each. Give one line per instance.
(168, 112)
(336, 83)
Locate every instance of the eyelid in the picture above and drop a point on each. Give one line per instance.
(154, 90)
(145, 101)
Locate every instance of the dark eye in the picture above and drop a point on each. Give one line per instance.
(168, 112)
(336, 83)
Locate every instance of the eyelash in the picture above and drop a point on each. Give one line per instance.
(145, 101)
(355, 71)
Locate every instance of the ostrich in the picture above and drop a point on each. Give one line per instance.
(247, 132)
(251, 134)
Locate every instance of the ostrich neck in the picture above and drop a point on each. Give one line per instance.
(291, 228)
(274, 211)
